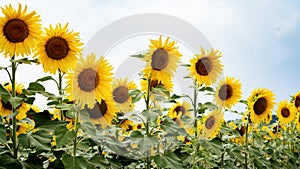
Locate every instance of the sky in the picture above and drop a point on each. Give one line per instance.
(260, 40)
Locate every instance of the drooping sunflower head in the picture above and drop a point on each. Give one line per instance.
(229, 92)
(285, 112)
(162, 59)
(120, 92)
(90, 81)
(102, 112)
(6, 107)
(206, 67)
(211, 124)
(58, 49)
(260, 103)
(296, 101)
(180, 109)
(24, 127)
(19, 31)
(154, 83)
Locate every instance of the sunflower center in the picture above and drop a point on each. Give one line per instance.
(154, 84)
(180, 109)
(203, 66)
(88, 80)
(6, 105)
(121, 94)
(139, 126)
(57, 48)
(285, 112)
(242, 130)
(160, 59)
(177, 121)
(99, 110)
(15, 30)
(225, 92)
(297, 101)
(210, 122)
(260, 106)
(276, 129)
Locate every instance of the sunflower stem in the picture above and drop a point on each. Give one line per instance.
(246, 152)
(60, 77)
(148, 160)
(14, 120)
(75, 139)
(196, 147)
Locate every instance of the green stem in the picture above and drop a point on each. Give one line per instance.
(60, 91)
(75, 139)
(194, 102)
(14, 121)
(246, 152)
(148, 160)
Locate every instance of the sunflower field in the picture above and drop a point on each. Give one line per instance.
(93, 121)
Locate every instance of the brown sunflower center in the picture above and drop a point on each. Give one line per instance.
(160, 59)
(260, 106)
(57, 48)
(88, 80)
(285, 112)
(121, 94)
(6, 105)
(15, 30)
(177, 121)
(242, 130)
(139, 126)
(297, 101)
(225, 92)
(99, 110)
(276, 129)
(154, 84)
(180, 109)
(203, 66)
(210, 122)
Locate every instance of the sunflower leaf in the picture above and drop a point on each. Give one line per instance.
(5, 95)
(2, 133)
(63, 135)
(136, 95)
(40, 139)
(204, 88)
(71, 162)
(15, 101)
(168, 160)
(140, 56)
(89, 128)
(98, 161)
(46, 78)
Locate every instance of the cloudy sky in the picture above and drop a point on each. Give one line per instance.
(260, 40)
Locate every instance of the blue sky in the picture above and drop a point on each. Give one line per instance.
(259, 39)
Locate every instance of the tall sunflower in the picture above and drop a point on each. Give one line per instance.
(19, 31)
(296, 101)
(228, 92)
(90, 81)
(180, 109)
(102, 112)
(162, 59)
(260, 103)
(285, 112)
(206, 67)
(6, 107)
(120, 92)
(58, 49)
(211, 124)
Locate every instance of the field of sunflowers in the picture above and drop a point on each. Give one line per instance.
(93, 122)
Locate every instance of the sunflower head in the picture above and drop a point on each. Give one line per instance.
(19, 31)
(206, 67)
(162, 59)
(24, 127)
(102, 112)
(90, 81)
(211, 124)
(180, 109)
(58, 49)
(285, 112)
(297, 121)
(296, 101)
(261, 103)
(120, 92)
(154, 83)
(229, 92)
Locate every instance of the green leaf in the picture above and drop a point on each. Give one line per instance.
(174, 97)
(71, 162)
(89, 128)
(169, 160)
(25, 61)
(7, 161)
(214, 146)
(37, 87)
(136, 95)
(140, 56)
(63, 135)
(42, 118)
(136, 134)
(209, 89)
(15, 101)
(97, 161)
(2, 133)
(46, 78)
(5, 95)
(40, 139)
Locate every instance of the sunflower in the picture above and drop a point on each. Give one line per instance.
(180, 109)
(261, 103)
(296, 101)
(6, 107)
(162, 59)
(23, 128)
(229, 92)
(211, 124)
(187, 138)
(155, 83)
(285, 112)
(19, 31)
(126, 124)
(206, 67)
(58, 49)
(120, 92)
(176, 118)
(90, 81)
(297, 121)
(102, 112)
(276, 131)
